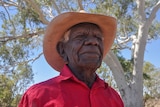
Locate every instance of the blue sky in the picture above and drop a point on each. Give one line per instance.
(43, 71)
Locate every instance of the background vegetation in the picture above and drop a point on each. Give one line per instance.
(23, 23)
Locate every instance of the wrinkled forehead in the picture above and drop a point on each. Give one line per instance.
(82, 28)
(89, 27)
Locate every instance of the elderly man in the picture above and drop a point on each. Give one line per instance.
(75, 44)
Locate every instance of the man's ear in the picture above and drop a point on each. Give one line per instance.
(61, 51)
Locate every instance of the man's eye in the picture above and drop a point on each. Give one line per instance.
(80, 37)
(99, 38)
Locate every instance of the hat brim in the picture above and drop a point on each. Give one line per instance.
(60, 24)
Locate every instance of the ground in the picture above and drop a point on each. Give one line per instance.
(152, 103)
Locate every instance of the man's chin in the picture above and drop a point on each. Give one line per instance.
(90, 62)
(91, 65)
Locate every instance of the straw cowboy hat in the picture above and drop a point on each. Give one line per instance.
(60, 24)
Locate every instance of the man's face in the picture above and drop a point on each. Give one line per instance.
(85, 46)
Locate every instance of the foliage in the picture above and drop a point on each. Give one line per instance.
(13, 83)
(151, 76)
(152, 83)
(105, 73)
(22, 27)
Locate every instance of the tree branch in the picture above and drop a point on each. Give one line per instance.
(14, 29)
(48, 11)
(33, 59)
(140, 7)
(6, 67)
(56, 7)
(112, 61)
(80, 4)
(67, 6)
(123, 41)
(153, 13)
(9, 38)
(37, 10)
(8, 4)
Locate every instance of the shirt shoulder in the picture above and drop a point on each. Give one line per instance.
(40, 93)
(45, 85)
(116, 98)
(113, 97)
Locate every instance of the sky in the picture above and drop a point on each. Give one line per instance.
(42, 71)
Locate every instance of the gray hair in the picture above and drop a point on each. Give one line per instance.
(65, 38)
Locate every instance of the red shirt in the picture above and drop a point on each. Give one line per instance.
(66, 90)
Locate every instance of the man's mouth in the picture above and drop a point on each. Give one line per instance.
(90, 54)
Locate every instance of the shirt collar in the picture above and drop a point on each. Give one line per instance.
(67, 74)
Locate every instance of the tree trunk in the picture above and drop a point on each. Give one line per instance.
(131, 95)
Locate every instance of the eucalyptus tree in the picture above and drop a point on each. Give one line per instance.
(151, 81)
(135, 28)
(23, 25)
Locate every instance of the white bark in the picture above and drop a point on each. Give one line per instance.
(153, 13)
(140, 7)
(112, 61)
(132, 93)
(127, 91)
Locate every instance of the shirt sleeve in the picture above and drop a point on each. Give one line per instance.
(117, 98)
(24, 101)
(28, 99)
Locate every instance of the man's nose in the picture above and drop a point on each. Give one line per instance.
(91, 41)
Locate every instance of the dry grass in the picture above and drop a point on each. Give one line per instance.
(152, 103)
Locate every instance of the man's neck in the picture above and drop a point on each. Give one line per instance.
(87, 76)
